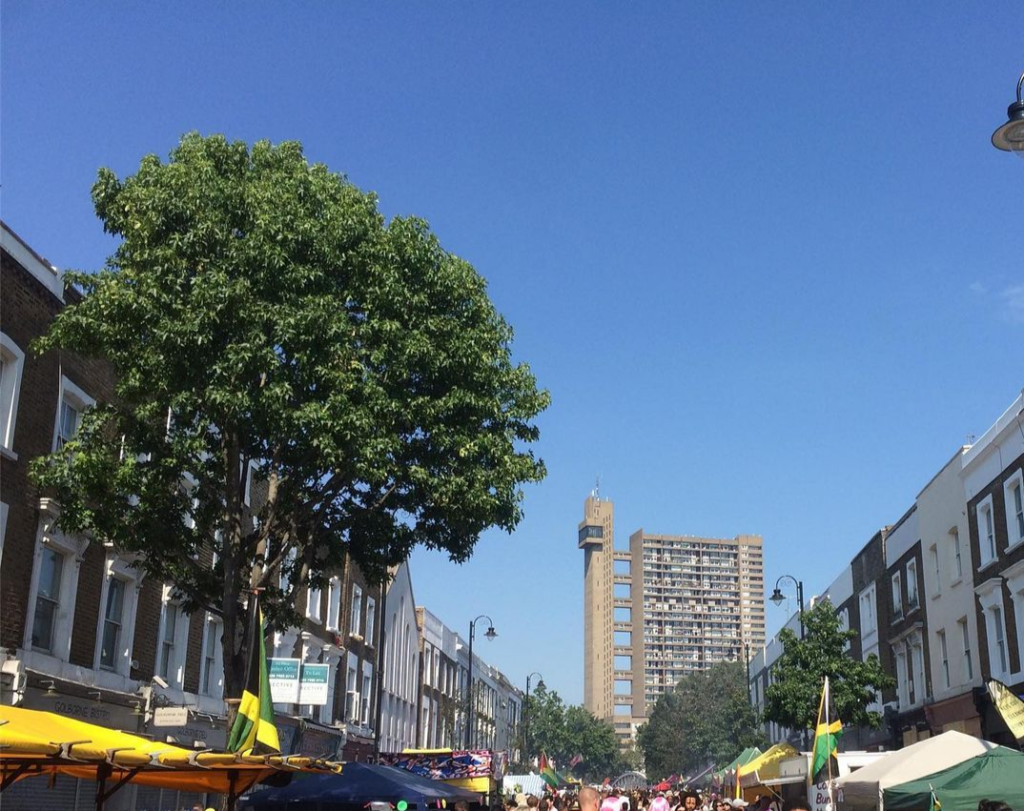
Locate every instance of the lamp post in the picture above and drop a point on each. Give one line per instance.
(470, 721)
(1010, 136)
(526, 709)
(777, 597)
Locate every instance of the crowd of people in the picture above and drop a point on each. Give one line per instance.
(606, 799)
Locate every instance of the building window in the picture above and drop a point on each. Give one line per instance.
(902, 683)
(933, 552)
(1014, 491)
(867, 611)
(73, 402)
(313, 600)
(51, 572)
(998, 635)
(211, 678)
(113, 619)
(958, 563)
(944, 657)
(170, 626)
(357, 609)
(334, 605)
(965, 640)
(371, 608)
(12, 360)
(986, 532)
(897, 597)
(912, 601)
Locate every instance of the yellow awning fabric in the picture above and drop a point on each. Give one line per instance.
(767, 764)
(34, 743)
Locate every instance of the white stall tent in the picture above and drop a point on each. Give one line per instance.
(863, 789)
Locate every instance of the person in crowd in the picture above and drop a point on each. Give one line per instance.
(993, 805)
(801, 804)
(691, 800)
(589, 799)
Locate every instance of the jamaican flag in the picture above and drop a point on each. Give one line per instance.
(254, 731)
(826, 736)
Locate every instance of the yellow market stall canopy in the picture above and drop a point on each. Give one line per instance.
(40, 743)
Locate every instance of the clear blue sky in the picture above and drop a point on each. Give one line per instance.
(763, 255)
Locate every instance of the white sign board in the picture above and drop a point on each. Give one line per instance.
(284, 680)
(170, 716)
(313, 684)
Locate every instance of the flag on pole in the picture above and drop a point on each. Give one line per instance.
(826, 736)
(547, 773)
(253, 731)
(933, 800)
(576, 760)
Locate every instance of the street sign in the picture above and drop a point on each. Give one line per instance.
(313, 684)
(284, 680)
(170, 716)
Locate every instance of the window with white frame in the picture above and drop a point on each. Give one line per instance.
(53, 588)
(371, 616)
(357, 610)
(113, 624)
(313, 599)
(429, 661)
(933, 555)
(211, 676)
(986, 531)
(12, 361)
(334, 605)
(173, 634)
(844, 625)
(287, 570)
(115, 629)
(1013, 491)
(912, 601)
(944, 658)
(902, 682)
(868, 622)
(966, 666)
(352, 708)
(73, 403)
(48, 593)
(958, 562)
(897, 597)
(364, 708)
(998, 635)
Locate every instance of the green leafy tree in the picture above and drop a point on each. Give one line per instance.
(259, 311)
(707, 718)
(792, 699)
(562, 732)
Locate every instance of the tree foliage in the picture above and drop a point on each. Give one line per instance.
(793, 697)
(258, 310)
(562, 732)
(707, 718)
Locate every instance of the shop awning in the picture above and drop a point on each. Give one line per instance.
(766, 766)
(42, 743)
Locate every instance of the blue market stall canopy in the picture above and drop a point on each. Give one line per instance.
(359, 784)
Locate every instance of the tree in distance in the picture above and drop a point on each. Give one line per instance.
(259, 313)
(705, 719)
(792, 699)
(562, 732)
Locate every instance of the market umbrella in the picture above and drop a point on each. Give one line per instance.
(865, 787)
(998, 773)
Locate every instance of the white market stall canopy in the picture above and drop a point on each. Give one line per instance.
(864, 788)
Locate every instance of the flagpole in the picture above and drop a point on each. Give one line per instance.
(828, 697)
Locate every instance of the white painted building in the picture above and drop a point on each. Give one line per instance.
(948, 567)
(401, 669)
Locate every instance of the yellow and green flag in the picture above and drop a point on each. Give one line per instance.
(253, 731)
(826, 736)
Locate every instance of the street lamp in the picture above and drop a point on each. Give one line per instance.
(526, 711)
(777, 597)
(1010, 136)
(491, 633)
